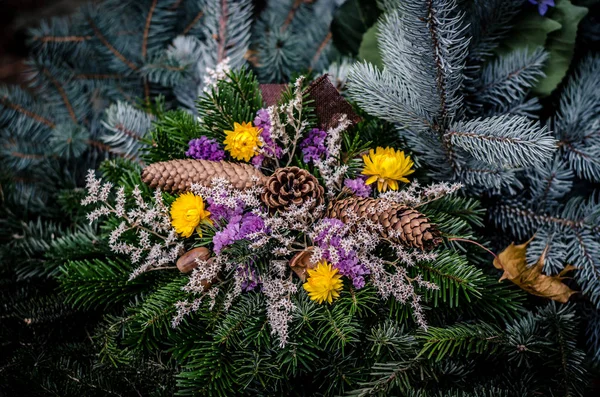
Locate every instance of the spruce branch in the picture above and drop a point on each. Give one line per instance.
(445, 31)
(476, 338)
(482, 176)
(503, 141)
(551, 183)
(126, 128)
(386, 96)
(147, 29)
(6, 101)
(130, 64)
(507, 80)
(62, 94)
(489, 21)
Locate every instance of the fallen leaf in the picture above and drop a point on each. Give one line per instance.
(530, 278)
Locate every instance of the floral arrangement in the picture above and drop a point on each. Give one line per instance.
(279, 200)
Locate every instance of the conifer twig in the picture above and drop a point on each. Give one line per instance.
(110, 47)
(147, 29)
(192, 23)
(62, 94)
(4, 100)
(222, 32)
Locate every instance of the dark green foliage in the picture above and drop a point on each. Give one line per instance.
(236, 99)
(98, 283)
(350, 22)
(170, 135)
(526, 343)
(475, 338)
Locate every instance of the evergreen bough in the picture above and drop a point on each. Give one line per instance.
(479, 329)
(464, 105)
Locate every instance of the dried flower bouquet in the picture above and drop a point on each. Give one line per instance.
(279, 200)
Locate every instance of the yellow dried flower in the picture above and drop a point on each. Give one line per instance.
(387, 167)
(187, 212)
(243, 142)
(323, 283)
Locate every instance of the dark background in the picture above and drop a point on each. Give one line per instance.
(15, 17)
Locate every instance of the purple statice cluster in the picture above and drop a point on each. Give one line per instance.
(204, 148)
(337, 248)
(250, 277)
(358, 186)
(269, 147)
(222, 213)
(313, 146)
(239, 227)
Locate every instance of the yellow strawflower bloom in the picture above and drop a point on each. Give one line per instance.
(243, 142)
(323, 283)
(387, 167)
(187, 212)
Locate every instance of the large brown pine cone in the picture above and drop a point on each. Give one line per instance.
(179, 175)
(400, 223)
(291, 186)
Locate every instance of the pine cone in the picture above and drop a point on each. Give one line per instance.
(179, 175)
(400, 223)
(291, 186)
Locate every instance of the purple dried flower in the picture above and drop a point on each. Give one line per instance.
(346, 261)
(358, 187)
(270, 148)
(238, 228)
(222, 214)
(258, 160)
(205, 149)
(250, 223)
(332, 227)
(262, 119)
(542, 5)
(250, 277)
(227, 236)
(313, 146)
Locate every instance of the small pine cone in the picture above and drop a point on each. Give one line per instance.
(291, 186)
(178, 175)
(400, 223)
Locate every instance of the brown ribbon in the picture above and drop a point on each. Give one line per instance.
(329, 104)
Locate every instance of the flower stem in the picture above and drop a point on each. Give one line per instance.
(473, 242)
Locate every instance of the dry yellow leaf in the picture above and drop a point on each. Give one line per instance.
(530, 278)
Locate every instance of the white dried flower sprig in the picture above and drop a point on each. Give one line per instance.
(184, 308)
(285, 117)
(213, 76)
(148, 222)
(279, 306)
(222, 192)
(330, 168)
(416, 195)
(278, 229)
